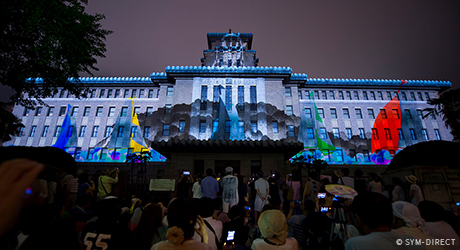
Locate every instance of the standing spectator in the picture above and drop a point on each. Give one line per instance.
(415, 192)
(262, 189)
(295, 221)
(312, 187)
(105, 183)
(398, 191)
(151, 229)
(213, 227)
(209, 185)
(316, 227)
(72, 192)
(196, 188)
(52, 187)
(242, 191)
(375, 185)
(43, 186)
(184, 186)
(275, 198)
(229, 190)
(85, 186)
(293, 181)
(237, 223)
(346, 179)
(273, 227)
(218, 211)
(360, 184)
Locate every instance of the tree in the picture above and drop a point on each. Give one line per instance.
(448, 106)
(10, 125)
(55, 40)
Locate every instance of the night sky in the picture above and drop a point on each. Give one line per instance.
(393, 39)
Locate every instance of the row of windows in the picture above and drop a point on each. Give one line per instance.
(356, 95)
(98, 113)
(228, 97)
(359, 115)
(82, 132)
(119, 93)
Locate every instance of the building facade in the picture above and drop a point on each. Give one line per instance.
(230, 98)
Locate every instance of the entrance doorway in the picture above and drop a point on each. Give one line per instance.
(220, 166)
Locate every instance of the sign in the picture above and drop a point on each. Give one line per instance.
(162, 185)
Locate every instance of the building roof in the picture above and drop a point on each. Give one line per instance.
(377, 82)
(288, 149)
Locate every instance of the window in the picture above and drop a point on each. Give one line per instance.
(362, 135)
(380, 95)
(356, 95)
(216, 97)
(359, 115)
(102, 93)
(372, 95)
(420, 96)
(146, 131)
(336, 133)
(370, 112)
(95, 130)
(45, 131)
(21, 131)
(61, 95)
(141, 93)
(74, 111)
(227, 126)
(38, 112)
(240, 97)
(340, 95)
(215, 126)
(82, 131)
(275, 127)
(228, 97)
(412, 134)
(68, 94)
(136, 111)
(375, 135)
(150, 93)
(158, 93)
(133, 93)
(93, 93)
(332, 95)
(86, 111)
(253, 127)
(308, 112)
(168, 109)
(383, 113)
(323, 133)
(287, 92)
(69, 131)
(427, 96)
(202, 126)
(339, 154)
(346, 114)
(433, 116)
(32, 131)
(108, 131)
(253, 96)
(327, 154)
(316, 94)
(404, 97)
(99, 111)
(291, 131)
(348, 95)
(109, 93)
(62, 111)
(366, 155)
(395, 113)
(365, 95)
(324, 95)
(169, 91)
(288, 110)
(300, 95)
(240, 127)
(333, 113)
(121, 131)
(387, 133)
(438, 135)
(50, 111)
(389, 95)
(397, 95)
(353, 154)
(412, 96)
(310, 134)
(111, 111)
(321, 112)
(149, 111)
(57, 131)
(27, 111)
(400, 134)
(419, 114)
(408, 114)
(349, 133)
(126, 93)
(124, 111)
(307, 95)
(204, 98)
(117, 93)
(133, 133)
(181, 126)
(425, 134)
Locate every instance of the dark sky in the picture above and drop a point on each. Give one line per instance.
(392, 39)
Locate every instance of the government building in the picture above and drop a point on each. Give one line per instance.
(229, 111)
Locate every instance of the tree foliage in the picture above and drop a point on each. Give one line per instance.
(50, 39)
(447, 106)
(10, 125)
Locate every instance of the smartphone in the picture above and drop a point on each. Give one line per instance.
(290, 174)
(230, 236)
(186, 173)
(458, 203)
(247, 208)
(325, 209)
(298, 202)
(321, 195)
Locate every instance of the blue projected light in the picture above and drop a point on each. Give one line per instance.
(29, 191)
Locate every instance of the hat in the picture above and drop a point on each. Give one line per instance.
(411, 179)
(409, 213)
(228, 169)
(273, 226)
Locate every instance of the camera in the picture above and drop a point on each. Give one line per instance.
(247, 208)
(186, 173)
(230, 236)
(325, 209)
(458, 203)
(321, 195)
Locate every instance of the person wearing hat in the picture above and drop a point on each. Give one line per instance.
(229, 190)
(415, 192)
(273, 227)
